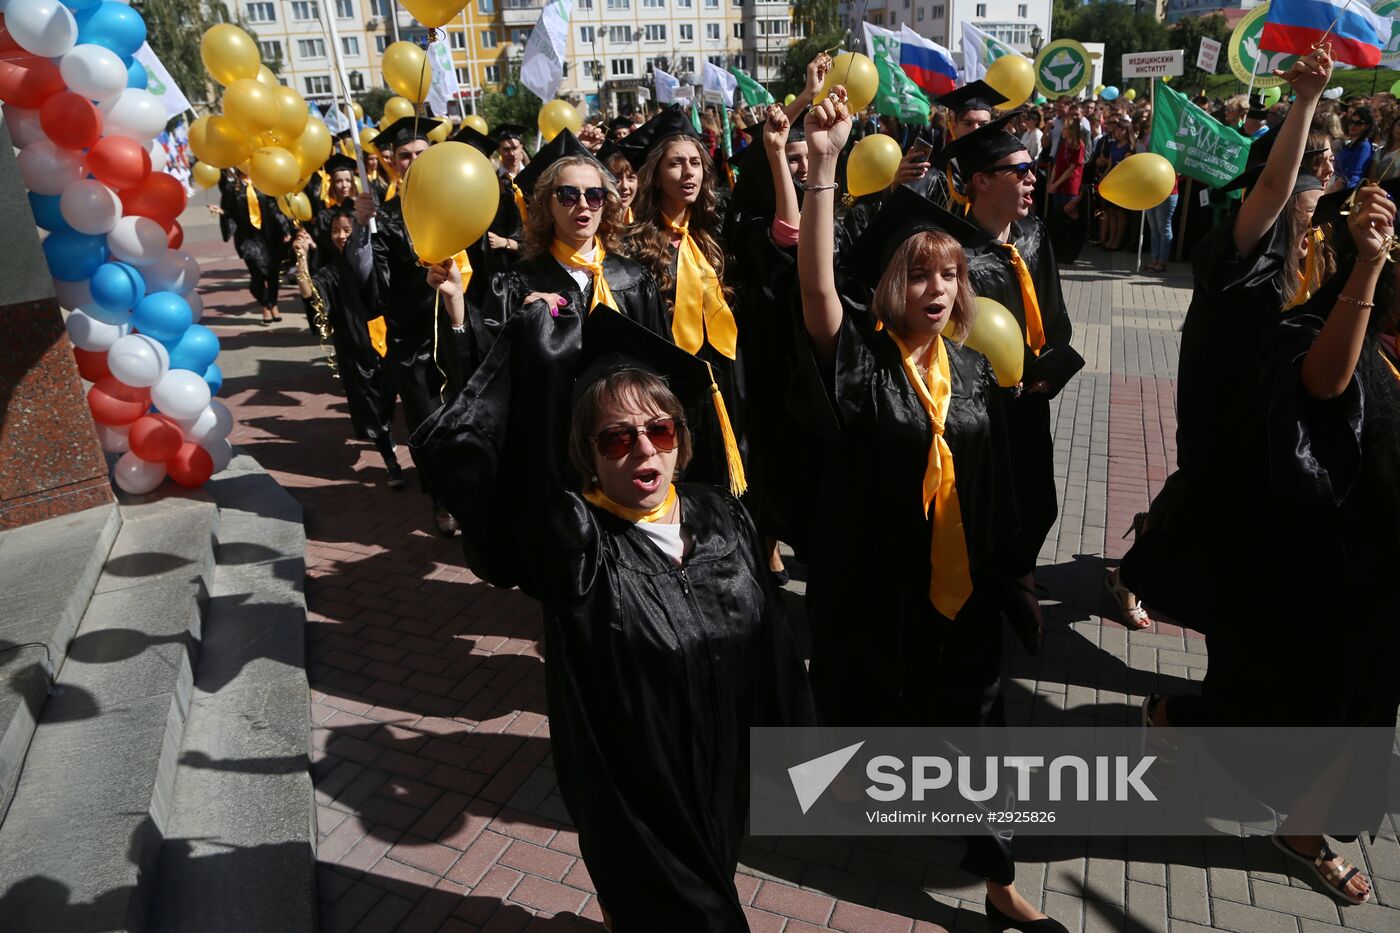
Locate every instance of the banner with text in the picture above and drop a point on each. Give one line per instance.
(1154, 64)
(1195, 143)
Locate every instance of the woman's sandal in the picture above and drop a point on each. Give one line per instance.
(1335, 878)
(1134, 617)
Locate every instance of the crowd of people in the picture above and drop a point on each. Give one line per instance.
(642, 378)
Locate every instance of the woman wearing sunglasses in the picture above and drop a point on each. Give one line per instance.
(664, 639)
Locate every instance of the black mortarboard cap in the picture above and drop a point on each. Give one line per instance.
(1259, 151)
(407, 129)
(565, 144)
(975, 95)
(982, 148)
(639, 144)
(1257, 110)
(338, 163)
(478, 141)
(903, 214)
(753, 191)
(619, 123)
(1305, 181)
(1330, 206)
(509, 131)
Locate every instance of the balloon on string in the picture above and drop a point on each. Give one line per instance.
(90, 207)
(136, 76)
(213, 424)
(48, 211)
(221, 452)
(94, 71)
(190, 466)
(139, 241)
(118, 162)
(41, 27)
(296, 205)
(558, 115)
(291, 116)
(196, 303)
(205, 175)
(73, 256)
(114, 403)
(164, 316)
(181, 394)
(266, 76)
(196, 350)
(1139, 182)
(92, 364)
(405, 69)
(476, 122)
(229, 53)
(451, 202)
(113, 25)
(113, 438)
(1013, 76)
(857, 74)
(312, 148)
(70, 120)
(174, 272)
(1271, 95)
(47, 168)
(24, 125)
(88, 333)
(274, 171)
(368, 134)
(28, 81)
(1130, 94)
(396, 108)
(433, 13)
(117, 286)
(217, 141)
(1109, 93)
(996, 335)
(155, 438)
(789, 99)
(440, 132)
(160, 197)
(95, 311)
(214, 379)
(251, 105)
(138, 360)
(1098, 89)
(135, 476)
(135, 113)
(872, 165)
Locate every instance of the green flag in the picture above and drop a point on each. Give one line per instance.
(695, 115)
(1195, 143)
(898, 96)
(753, 93)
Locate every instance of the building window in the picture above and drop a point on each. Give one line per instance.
(921, 14)
(587, 35)
(493, 74)
(379, 8)
(620, 34)
(584, 4)
(357, 81)
(488, 38)
(687, 32)
(712, 4)
(350, 45)
(655, 33)
(262, 12)
(623, 66)
(741, 61)
(344, 9)
(318, 84)
(593, 69)
(486, 6)
(463, 76)
(311, 48)
(619, 4)
(687, 63)
(303, 10)
(937, 11)
(457, 40)
(716, 60)
(712, 31)
(738, 30)
(654, 4)
(980, 10)
(685, 4)
(520, 36)
(772, 27)
(1021, 9)
(270, 50)
(381, 43)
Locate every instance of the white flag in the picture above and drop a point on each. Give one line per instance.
(882, 43)
(159, 82)
(721, 82)
(335, 118)
(666, 85)
(979, 50)
(543, 67)
(444, 86)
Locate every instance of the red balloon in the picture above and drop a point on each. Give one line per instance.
(155, 438)
(119, 162)
(174, 235)
(113, 402)
(160, 197)
(92, 364)
(7, 41)
(27, 81)
(191, 466)
(71, 121)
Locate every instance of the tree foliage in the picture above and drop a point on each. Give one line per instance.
(514, 104)
(1187, 35)
(1116, 25)
(816, 17)
(372, 102)
(794, 71)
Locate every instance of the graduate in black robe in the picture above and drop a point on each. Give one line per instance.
(502, 246)
(661, 649)
(260, 235)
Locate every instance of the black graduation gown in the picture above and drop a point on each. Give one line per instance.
(320, 230)
(1032, 447)
(361, 368)
(487, 261)
(263, 250)
(654, 671)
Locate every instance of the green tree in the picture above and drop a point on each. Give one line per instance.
(373, 101)
(816, 17)
(515, 103)
(794, 72)
(1117, 26)
(1187, 35)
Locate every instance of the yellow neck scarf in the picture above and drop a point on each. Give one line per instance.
(600, 499)
(701, 312)
(630, 219)
(601, 293)
(325, 188)
(393, 190)
(254, 208)
(464, 266)
(1035, 328)
(1308, 281)
(950, 583)
(519, 201)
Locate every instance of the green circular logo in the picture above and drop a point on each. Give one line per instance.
(1063, 68)
(1247, 59)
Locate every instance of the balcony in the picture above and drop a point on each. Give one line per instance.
(520, 12)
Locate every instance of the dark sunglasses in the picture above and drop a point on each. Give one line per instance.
(1020, 169)
(568, 196)
(616, 442)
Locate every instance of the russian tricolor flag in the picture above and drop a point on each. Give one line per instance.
(1357, 34)
(928, 64)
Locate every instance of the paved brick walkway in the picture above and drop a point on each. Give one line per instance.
(438, 809)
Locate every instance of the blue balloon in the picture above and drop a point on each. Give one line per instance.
(1109, 93)
(76, 5)
(164, 316)
(196, 350)
(111, 25)
(117, 286)
(46, 212)
(136, 75)
(74, 256)
(214, 376)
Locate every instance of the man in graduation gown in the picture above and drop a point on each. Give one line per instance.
(260, 233)
(1011, 262)
(970, 108)
(416, 326)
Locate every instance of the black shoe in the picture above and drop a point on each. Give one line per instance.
(446, 525)
(999, 922)
(395, 480)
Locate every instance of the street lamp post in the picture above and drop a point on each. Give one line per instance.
(1037, 40)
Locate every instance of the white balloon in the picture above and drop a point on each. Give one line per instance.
(90, 207)
(25, 129)
(41, 27)
(94, 71)
(180, 394)
(73, 295)
(49, 169)
(213, 424)
(135, 113)
(175, 271)
(138, 360)
(139, 241)
(136, 476)
(158, 157)
(91, 334)
(98, 313)
(196, 304)
(114, 439)
(221, 452)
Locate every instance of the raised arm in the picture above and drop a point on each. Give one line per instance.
(1308, 76)
(775, 133)
(828, 125)
(816, 74)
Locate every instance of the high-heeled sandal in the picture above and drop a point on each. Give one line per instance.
(1134, 617)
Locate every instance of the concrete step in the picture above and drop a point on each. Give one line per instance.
(47, 574)
(81, 841)
(240, 846)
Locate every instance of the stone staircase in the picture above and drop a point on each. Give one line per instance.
(164, 782)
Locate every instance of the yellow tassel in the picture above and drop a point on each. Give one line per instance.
(379, 335)
(738, 483)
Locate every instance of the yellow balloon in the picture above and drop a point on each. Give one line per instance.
(313, 147)
(1014, 77)
(477, 123)
(449, 199)
(291, 116)
(996, 335)
(229, 53)
(406, 70)
(1130, 94)
(251, 105)
(433, 13)
(872, 165)
(205, 175)
(857, 74)
(396, 108)
(217, 141)
(359, 111)
(557, 115)
(1098, 89)
(367, 138)
(1166, 79)
(296, 205)
(440, 132)
(274, 171)
(1139, 182)
(266, 76)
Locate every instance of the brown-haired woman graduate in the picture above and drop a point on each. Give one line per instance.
(919, 542)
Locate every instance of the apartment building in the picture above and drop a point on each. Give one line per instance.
(1019, 23)
(292, 32)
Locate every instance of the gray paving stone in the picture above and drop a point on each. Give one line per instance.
(1300, 902)
(1243, 918)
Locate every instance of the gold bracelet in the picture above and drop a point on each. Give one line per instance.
(1363, 305)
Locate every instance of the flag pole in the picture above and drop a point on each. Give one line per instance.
(1142, 218)
(328, 18)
